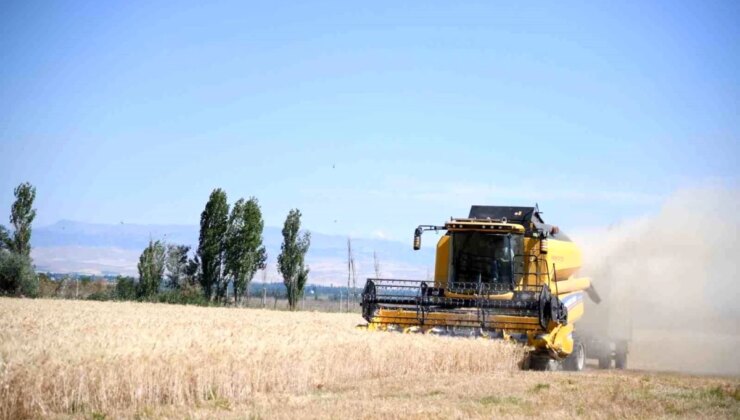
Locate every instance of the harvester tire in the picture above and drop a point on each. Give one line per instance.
(620, 360)
(620, 357)
(542, 362)
(605, 362)
(576, 361)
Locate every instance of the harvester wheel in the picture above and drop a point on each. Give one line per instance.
(620, 360)
(554, 365)
(576, 360)
(542, 362)
(605, 362)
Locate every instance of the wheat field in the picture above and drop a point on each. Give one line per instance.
(61, 358)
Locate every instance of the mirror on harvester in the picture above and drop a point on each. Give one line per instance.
(417, 239)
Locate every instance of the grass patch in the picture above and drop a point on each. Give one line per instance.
(736, 393)
(539, 387)
(496, 400)
(719, 396)
(724, 391)
(717, 393)
(222, 404)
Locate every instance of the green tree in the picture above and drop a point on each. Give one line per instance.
(17, 277)
(291, 262)
(213, 225)
(5, 241)
(22, 214)
(151, 269)
(245, 253)
(125, 288)
(177, 265)
(192, 272)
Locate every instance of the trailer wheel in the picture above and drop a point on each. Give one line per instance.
(605, 362)
(620, 357)
(576, 360)
(620, 360)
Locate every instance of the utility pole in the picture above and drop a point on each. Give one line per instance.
(354, 283)
(349, 269)
(264, 285)
(351, 273)
(376, 265)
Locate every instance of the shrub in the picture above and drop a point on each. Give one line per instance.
(101, 296)
(188, 295)
(47, 286)
(17, 277)
(125, 288)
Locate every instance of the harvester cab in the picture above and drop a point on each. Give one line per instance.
(502, 272)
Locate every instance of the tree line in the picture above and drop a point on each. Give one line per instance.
(230, 252)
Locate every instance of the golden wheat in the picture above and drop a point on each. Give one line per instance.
(60, 356)
(90, 359)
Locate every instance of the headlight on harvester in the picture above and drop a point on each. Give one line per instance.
(543, 246)
(525, 296)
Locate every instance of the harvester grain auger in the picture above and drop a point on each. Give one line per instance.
(500, 273)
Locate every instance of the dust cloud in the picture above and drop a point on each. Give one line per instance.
(669, 283)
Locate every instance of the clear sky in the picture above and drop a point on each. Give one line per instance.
(371, 117)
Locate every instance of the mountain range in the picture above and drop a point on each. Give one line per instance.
(78, 247)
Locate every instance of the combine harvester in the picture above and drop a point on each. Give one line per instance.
(500, 273)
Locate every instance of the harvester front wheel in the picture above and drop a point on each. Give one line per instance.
(576, 360)
(541, 362)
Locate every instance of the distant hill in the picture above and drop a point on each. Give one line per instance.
(71, 246)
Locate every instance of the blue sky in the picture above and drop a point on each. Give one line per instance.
(369, 117)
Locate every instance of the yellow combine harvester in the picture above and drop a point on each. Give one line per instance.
(500, 273)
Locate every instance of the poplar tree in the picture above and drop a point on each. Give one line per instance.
(211, 244)
(245, 253)
(291, 262)
(151, 269)
(21, 216)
